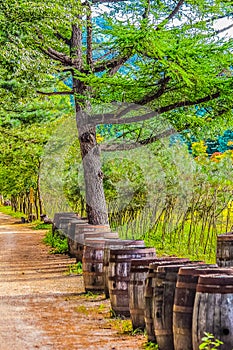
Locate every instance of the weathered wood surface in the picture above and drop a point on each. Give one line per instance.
(138, 273)
(224, 256)
(149, 293)
(119, 274)
(213, 310)
(164, 292)
(184, 300)
(119, 244)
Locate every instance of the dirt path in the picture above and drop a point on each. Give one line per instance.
(42, 307)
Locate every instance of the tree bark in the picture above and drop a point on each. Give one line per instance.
(95, 200)
(40, 202)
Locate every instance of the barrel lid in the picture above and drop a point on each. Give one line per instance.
(144, 261)
(97, 227)
(74, 222)
(169, 268)
(130, 250)
(133, 241)
(177, 266)
(77, 221)
(228, 236)
(215, 283)
(193, 270)
(95, 242)
(88, 234)
(167, 261)
(105, 240)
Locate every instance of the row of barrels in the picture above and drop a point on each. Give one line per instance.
(175, 300)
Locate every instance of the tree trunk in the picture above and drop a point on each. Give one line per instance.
(40, 202)
(95, 200)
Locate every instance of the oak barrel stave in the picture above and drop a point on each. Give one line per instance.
(213, 310)
(119, 275)
(149, 292)
(165, 284)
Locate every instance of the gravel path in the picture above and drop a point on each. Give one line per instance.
(43, 307)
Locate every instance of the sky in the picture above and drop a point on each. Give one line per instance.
(220, 24)
(223, 23)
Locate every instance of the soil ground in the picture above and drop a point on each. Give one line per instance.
(44, 307)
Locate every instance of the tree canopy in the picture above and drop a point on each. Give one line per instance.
(167, 55)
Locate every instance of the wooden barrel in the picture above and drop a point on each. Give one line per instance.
(224, 256)
(138, 273)
(119, 272)
(92, 264)
(83, 231)
(57, 217)
(64, 224)
(213, 311)
(164, 291)
(72, 245)
(184, 300)
(149, 292)
(118, 244)
(72, 226)
(93, 260)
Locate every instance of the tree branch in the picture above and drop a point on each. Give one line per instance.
(58, 56)
(116, 118)
(149, 98)
(76, 46)
(188, 103)
(89, 37)
(71, 92)
(172, 14)
(103, 1)
(61, 37)
(127, 145)
(147, 10)
(111, 64)
(224, 29)
(103, 56)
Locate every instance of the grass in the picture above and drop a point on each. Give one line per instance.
(75, 269)
(123, 326)
(192, 238)
(150, 346)
(41, 226)
(8, 211)
(58, 244)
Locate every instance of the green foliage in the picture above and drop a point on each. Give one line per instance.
(58, 243)
(174, 58)
(150, 346)
(92, 295)
(75, 269)
(8, 210)
(122, 326)
(209, 342)
(165, 59)
(42, 226)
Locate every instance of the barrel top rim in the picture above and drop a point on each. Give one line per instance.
(168, 262)
(216, 279)
(129, 250)
(142, 261)
(187, 270)
(225, 236)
